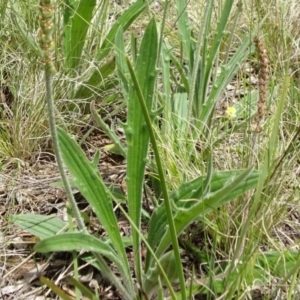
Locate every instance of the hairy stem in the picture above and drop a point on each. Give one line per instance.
(53, 132)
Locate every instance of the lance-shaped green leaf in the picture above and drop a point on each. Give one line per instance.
(224, 187)
(137, 134)
(124, 21)
(76, 31)
(213, 51)
(94, 190)
(184, 28)
(40, 226)
(151, 282)
(79, 241)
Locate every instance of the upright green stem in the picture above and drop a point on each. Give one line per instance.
(47, 44)
(53, 132)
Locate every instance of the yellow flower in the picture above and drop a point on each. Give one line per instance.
(230, 113)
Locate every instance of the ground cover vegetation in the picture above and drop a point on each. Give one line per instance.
(195, 104)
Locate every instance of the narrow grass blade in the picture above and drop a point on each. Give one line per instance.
(122, 68)
(97, 79)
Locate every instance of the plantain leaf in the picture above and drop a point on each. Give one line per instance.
(78, 241)
(77, 31)
(224, 187)
(92, 187)
(152, 280)
(136, 131)
(228, 71)
(40, 226)
(124, 21)
(184, 28)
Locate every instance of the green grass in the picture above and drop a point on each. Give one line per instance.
(175, 69)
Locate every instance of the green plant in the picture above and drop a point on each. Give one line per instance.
(179, 215)
(168, 120)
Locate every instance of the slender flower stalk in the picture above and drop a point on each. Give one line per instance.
(47, 44)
